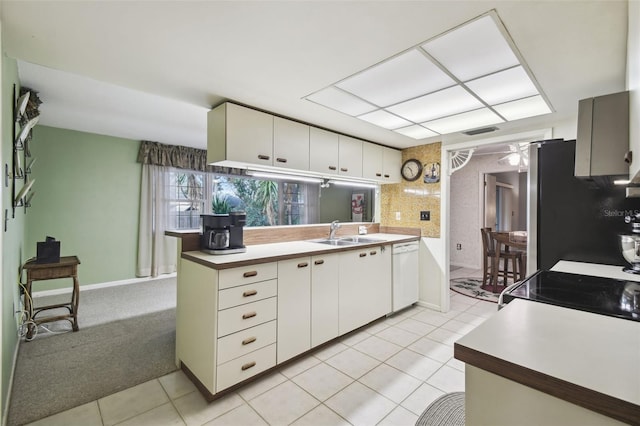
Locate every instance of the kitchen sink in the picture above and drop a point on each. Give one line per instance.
(346, 241)
(356, 239)
(335, 242)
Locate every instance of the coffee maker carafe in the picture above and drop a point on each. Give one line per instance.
(222, 233)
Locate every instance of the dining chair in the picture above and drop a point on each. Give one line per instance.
(508, 258)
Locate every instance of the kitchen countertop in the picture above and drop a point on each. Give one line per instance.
(595, 270)
(587, 359)
(263, 253)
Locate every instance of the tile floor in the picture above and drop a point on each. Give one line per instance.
(385, 374)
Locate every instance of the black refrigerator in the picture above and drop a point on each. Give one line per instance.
(577, 220)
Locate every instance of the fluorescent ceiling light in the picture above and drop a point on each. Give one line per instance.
(523, 108)
(280, 176)
(341, 101)
(468, 120)
(353, 184)
(445, 102)
(416, 132)
(473, 50)
(397, 79)
(384, 119)
(503, 86)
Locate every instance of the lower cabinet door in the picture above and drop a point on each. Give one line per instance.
(324, 298)
(239, 369)
(294, 307)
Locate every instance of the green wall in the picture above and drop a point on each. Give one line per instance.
(87, 196)
(12, 239)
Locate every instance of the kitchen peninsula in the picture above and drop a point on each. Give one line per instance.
(239, 315)
(546, 364)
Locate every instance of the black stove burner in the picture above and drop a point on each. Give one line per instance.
(604, 296)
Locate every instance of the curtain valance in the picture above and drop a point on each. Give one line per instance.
(181, 157)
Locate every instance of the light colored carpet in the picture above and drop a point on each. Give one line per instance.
(448, 410)
(131, 343)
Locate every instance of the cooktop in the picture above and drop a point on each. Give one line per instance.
(606, 296)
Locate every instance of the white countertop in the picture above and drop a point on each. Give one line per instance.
(605, 271)
(265, 252)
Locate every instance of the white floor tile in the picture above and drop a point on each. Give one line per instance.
(433, 349)
(400, 416)
(195, 410)
(283, 404)
(431, 317)
(243, 415)
(444, 336)
(299, 366)
(322, 381)
(414, 364)
(131, 402)
(470, 318)
(330, 350)
(418, 401)
(417, 327)
(177, 384)
(398, 336)
(457, 364)
(391, 383)
(165, 415)
(86, 415)
(360, 405)
(458, 326)
(263, 384)
(376, 327)
(353, 363)
(483, 309)
(321, 416)
(378, 348)
(447, 379)
(355, 338)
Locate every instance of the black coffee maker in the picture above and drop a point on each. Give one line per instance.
(222, 233)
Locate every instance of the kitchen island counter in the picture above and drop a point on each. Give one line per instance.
(264, 253)
(585, 359)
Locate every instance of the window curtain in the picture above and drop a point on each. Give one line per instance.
(157, 253)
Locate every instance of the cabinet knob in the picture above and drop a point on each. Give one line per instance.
(248, 365)
(318, 262)
(249, 293)
(249, 315)
(281, 160)
(250, 274)
(263, 157)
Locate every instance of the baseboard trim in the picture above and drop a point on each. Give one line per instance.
(429, 305)
(102, 285)
(5, 413)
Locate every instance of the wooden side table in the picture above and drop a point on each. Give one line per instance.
(66, 268)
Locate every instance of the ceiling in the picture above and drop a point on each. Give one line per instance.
(151, 70)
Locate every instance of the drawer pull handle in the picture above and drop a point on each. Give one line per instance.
(250, 274)
(363, 254)
(378, 174)
(263, 157)
(249, 340)
(249, 293)
(303, 265)
(373, 253)
(281, 160)
(318, 262)
(248, 365)
(333, 168)
(249, 315)
(387, 176)
(344, 169)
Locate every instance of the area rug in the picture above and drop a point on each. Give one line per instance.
(70, 369)
(447, 410)
(472, 287)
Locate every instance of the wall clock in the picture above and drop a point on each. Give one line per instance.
(411, 169)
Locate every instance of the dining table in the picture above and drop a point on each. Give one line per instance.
(510, 240)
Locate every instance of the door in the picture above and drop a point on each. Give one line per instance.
(490, 219)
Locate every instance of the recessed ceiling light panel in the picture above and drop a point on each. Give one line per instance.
(523, 108)
(416, 132)
(439, 104)
(468, 120)
(341, 101)
(398, 79)
(384, 119)
(473, 50)
(503, 86)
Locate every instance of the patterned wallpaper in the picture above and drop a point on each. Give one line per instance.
(410, 198)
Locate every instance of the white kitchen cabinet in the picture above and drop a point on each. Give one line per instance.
(350, 156)
(239, 134)
(372, 162)
(323, 151)
(391, 164)
(365, 286)
(325, 293)
(294, 307)
(290, 144)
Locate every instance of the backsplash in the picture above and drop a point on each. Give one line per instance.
(410, 198)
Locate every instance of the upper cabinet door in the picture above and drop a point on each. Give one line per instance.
(350, 153)
(290, 144)
(372, 161)
(323, 151)
(391, 164)
(249, 135)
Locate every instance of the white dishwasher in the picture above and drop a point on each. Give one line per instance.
(405, 274)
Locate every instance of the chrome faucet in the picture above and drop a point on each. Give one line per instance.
(334, 227)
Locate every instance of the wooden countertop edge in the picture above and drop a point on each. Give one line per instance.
(275, 258)
(587, 398)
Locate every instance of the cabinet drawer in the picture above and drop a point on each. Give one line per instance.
(245, 341)
(247, 274)
(244, 367)
(247, 293)
(245, 316)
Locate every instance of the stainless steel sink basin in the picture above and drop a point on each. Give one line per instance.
(346, 241)
(356, 239)
(334, 242)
